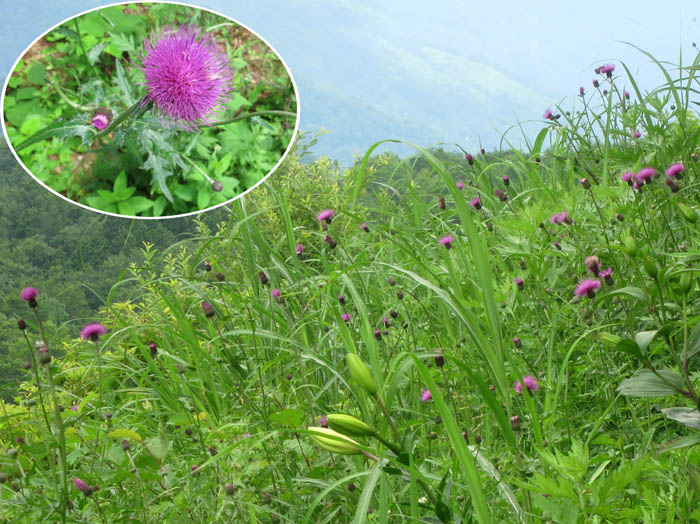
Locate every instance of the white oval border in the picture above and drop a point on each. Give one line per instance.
(279, 162)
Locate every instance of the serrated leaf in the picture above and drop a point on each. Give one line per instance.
(160, 174)
(687, 416)
(645, 383)
(61, 130)
(159, 206)
(106, 196)
(139, 204)
(95, 51)
(185, 191)
(288, 417)
(124, 84)
(125, 434)
(126, 209)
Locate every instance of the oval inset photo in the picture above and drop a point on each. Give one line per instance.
(150, 109)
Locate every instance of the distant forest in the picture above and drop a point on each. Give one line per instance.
(71, 255)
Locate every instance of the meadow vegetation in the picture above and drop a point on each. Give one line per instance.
(506, 336)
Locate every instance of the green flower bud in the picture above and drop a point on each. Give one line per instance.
(361, 374)
(324, 438)
(688, 213)
(349, 425)
(650, 267)
(686, 282)
(629, 245)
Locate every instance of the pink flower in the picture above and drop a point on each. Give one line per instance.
(346, 317)
(326, 214)
(476, 202)
(81, 486)
(674, 170)
(426, 396)
(519, 282)
(299, 249)
(187, 76)
(644, 175)
(547, 114)
(637, 134)
(587, 287)
(607, 69)
(460, 185)
(101, 118)
(29, 294)
(92, 332)
(627, 177)
(275, 293)
(446, 241)
(529, 382)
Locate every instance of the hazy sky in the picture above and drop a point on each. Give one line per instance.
(495, 61)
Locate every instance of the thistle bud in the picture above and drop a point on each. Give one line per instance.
(361, 374)
(629, 245)
(217, 186)
(349, 425)
(21, 324)
(686, 282)
(333, 441)
(609, 339)
(650, 267)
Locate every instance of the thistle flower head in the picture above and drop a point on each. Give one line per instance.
(627, 177)
(529, 382)
(607, 69)
(92, 332)
(426, 396)
(446, 241)
(587, 288)
(547, 114)
(187, 76)
(326, 214)
(475, 202)
(460, 185)
(29, 294)
(674, 170)
(644, 175)
(101, 118)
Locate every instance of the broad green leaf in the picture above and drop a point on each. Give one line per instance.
(645, 383)
(203, 198)
(158, 206)
(125, 433)
(120, 182)
(630, 347)
(139, 204)
(37, 74)
(30, 125)
(687, 416)
(644, 338)
(158, 446)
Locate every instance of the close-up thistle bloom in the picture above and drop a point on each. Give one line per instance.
(475, 202)
(644, 175)
(529, 382)
(92, 332)
(587, 288)
(187, 76)
(101, 118)
(426, 396)
(675, 170)
(519, 283)
(325, 215)
(29, 294)
(446, 241)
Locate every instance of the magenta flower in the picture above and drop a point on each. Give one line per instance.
(581, 91)
(587, 288)
(469, 158)
(346, 317)
(529, 382)
(101, 118)
(547, 114)
(426, 396)
(29, 294)
(637, 134)
(607, 69)
(323, 421)
(517, 342)
(275, 293)
(607, 275)
(460, 185)
(92, 332)
(593, 264)
(644, 175)
(626, 94)
(364, 227)
(675, 170)
(628, 177)
(187, 75)
(595, 83)
(476, 202)
(81, 486)
(519, 282)
(326, 214)
(555, 219)
(446, 241)
(300, 250)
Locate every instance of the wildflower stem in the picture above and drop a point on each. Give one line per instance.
(271, 112)
(388, 418)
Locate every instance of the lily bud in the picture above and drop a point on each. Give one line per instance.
(361, 374)
(349, 425)
(333, 441)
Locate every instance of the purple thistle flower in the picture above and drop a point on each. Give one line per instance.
(346, 317)
(426, 396)
(547, 114)
(585, 183)
(470, 159)
(515, 422)
(329, 240)
(517, 342)
(460, 185)
(101, 118)
(208, 309)
(326, 214)
(364, 227)
(93, 332)
(501, 195)
(29, 294)
(476, 202)
(506, 180)
(628, 177)
(529, 382)
(626, 94)
(595, 83)
(555, 219)
(519, 282)
(593, 264)
(446, 241)
(341, 299)
(187, 76)
(637, 134)
(675, 170)
(323, 421)
(299, 250)
(556, 245)
(581, 91)
(275, 293)
(82, 487)
(607, 70)
(644, 175)
(607, 275)
(587, 287)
